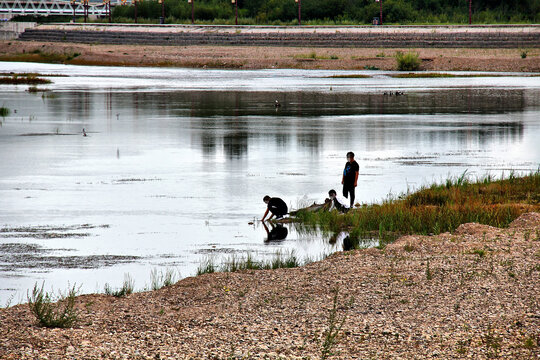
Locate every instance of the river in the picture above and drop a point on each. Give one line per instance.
(176, 161)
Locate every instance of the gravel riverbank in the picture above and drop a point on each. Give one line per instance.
(470, 294)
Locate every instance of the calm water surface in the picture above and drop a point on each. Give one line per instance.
(176, 161)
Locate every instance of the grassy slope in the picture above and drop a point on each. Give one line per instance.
(439, 208)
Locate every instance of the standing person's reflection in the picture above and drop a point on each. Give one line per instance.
(278, 232)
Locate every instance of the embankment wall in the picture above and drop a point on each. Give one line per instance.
(496, 36)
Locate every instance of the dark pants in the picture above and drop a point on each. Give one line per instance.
(340, 207)
(349, 189)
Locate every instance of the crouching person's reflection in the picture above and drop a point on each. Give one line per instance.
(278, 232)
(344, 238)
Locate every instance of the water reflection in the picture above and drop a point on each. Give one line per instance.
(278, 232)
(229, 120)
(175, 173)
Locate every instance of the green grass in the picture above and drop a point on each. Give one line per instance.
(349, 76)
(407, 62)
(53, 315)
(126, 289)
(313, 56)
(335, 325)
(423, 75)
(248, 262)
(40, 56)
(444, 75)
(26, 79)
(162, 278)
(437, 208)
(371, 67)
(4, 111)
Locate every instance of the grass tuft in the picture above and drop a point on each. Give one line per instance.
(162, 278)
(53, 315)
(371, 67)
(407, 62)
(126, 289)
(4, 111)
(207, 266)
(248, 262)
(313, 56)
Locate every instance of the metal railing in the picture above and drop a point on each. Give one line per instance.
(55, 7)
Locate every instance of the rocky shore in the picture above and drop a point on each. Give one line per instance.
(470, 294)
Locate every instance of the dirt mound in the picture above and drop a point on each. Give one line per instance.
(527, 221)
(475, 229)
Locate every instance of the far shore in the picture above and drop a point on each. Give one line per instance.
(258, 57)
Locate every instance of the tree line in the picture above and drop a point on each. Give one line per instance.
(335, 11)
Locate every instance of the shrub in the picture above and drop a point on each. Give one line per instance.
(51, 315)
(407, 62)
(4, 111)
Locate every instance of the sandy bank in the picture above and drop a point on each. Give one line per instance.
(239, 57)
(471, 294)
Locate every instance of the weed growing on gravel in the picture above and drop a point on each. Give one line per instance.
(126, 289)
(53, 315)
(480, 252)
(313, 56)
(408, 247)
(334, 325)
(492, 342)
(463, 346)
(207, 266)
(429, 272)
(162, 278)
(530, 343)
(371, 67)
(8, 301)
(248, 262)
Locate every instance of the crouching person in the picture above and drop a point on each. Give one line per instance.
(338, 202)
(276, 206)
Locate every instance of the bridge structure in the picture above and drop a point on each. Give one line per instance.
(10, 8)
